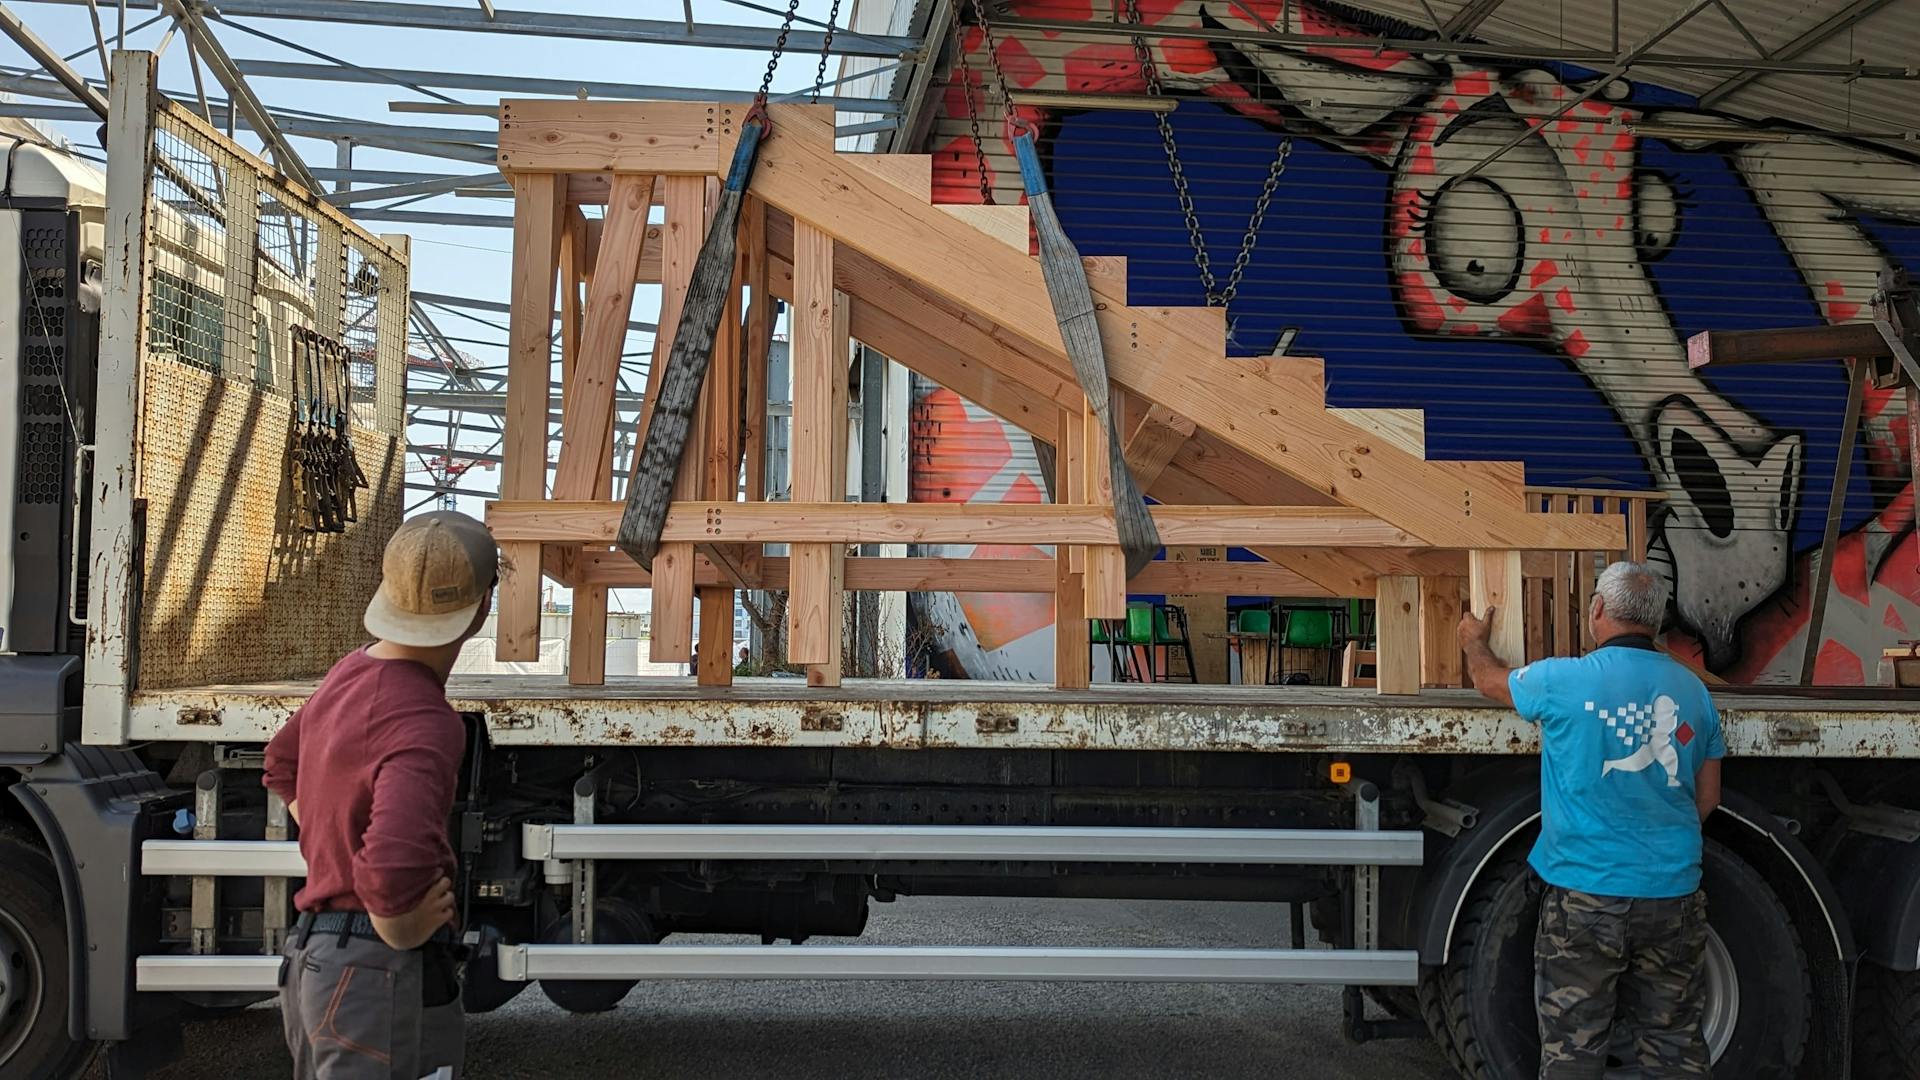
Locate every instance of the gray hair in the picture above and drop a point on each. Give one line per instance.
(1633, 594)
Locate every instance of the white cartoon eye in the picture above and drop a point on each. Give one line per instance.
(1656, 215)
(1473, 233)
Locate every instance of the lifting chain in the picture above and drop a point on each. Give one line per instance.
(968, 91)
(1014, 123)
(826, 46)
(773, 61)
(1217, 295)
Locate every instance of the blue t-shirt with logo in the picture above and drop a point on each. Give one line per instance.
(1623, 731)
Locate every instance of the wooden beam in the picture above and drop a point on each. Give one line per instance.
(719, 474)
(538, 212)
(1720, 348)
(1106, 583)
(1494, 581)
(664, 137)
(586, 434)
(673, 589)
(1072, 657)
(759, 334)
(587, 636)
(927, 574)
(943, 523)
(1397, 634)
(819, 365)
(1441, 601)
(1154, 442)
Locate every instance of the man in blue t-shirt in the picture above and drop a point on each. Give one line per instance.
(1630, 753)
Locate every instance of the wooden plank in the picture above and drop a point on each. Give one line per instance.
(538, 221)
(1494, 581)
(1441, 599)
(594, 522)
(1072, 662)
(664, 137)
(587, 636)
(1173, 356)
(1397, 634)
(1106, 583)
(819, 365)
(586, 440)
(1008, 224)
(1637, 530)
(1584, 579)
(759, 335)
(927, 574)
(719, 476)
(1404, 428)
(1535, 590)
(1154, 442)
(1568, 610)
(673, 588)
(1839, 341)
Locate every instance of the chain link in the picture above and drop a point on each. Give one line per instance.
(993, 61)
(967, 92)
(820, 76)
(779, 46)
(1217, 296)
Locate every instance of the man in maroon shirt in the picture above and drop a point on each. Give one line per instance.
(368, 769)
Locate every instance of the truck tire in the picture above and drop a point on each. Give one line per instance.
(1760, 988)
(33, 968)
(1886, 1042)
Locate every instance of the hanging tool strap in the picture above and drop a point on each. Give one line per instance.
(1073, 308)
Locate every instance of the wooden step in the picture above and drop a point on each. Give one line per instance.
(1404, 428)
(1007, 224)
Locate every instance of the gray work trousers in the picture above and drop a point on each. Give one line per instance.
(352, 1010)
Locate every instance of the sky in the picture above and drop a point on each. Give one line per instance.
(462, 261)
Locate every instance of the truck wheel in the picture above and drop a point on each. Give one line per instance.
(1759, 1010)
(1433, 994)
(1886, 1042)
(33, 968)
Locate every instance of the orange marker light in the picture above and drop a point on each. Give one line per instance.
(1340, 772)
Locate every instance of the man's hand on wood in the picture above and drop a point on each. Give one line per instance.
(1474, 631)
(411, 930)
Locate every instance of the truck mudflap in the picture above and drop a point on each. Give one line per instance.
(95, 806)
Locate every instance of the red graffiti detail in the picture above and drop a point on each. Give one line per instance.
(1581, 150)
(1021, 66)
(1400, 218)
(1838, 311)
(1473, 84)
(1566, 235)
(1109, 68)
(1457, 304)
(1423, 159)
(1598, 108)
(1464, 329)
(1529, 318)
(1418, 248)
(1624, 191)
(1451, 105)
(1838, 666)
(1566, 125)
(1191, 57)
(1564, 299)
(1836, 287)
(1623, 141)
(1610, 159)
(1543, 271)
(1578, 345)
(1422, 309)
(1546, 234)
(1893, 620)
(1619, 222)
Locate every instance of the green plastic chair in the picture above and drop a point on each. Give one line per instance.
(1253, 621)
(1308, 628)
(1140, 624)
(1170, 629)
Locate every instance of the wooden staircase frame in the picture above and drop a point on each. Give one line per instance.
(1240, 452)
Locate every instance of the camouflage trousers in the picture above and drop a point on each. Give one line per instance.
(1602, 960)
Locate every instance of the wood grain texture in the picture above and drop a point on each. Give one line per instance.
(1154, 441)
(539, 218)
(1106, 581)
(586, 442)
(587, 636)
(1397, 634)
(653, 137)
(818, 443)
(1494, 581)
(673, 589)
(1441, 601)
(594, 522)
(928, 574)
(1007, 224)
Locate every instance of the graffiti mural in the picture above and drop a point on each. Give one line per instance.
(1536, 303)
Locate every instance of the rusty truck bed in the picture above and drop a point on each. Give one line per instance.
(543, 710)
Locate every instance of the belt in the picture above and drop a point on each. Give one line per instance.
(353, 924)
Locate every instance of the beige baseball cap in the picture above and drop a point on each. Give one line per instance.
(434, 577)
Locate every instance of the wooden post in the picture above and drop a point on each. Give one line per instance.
(1106, 594)
(1397, 634)
(1568, 609)
(539, 207)
(718, 481)
(673, 593)
(1494, 580)
(1584, 580)
(586, 434)
(1536, 594)
(1637, 530)
(1072, 664)
(587, 638)
(819, 446)
(1441, 599)
(756, 274)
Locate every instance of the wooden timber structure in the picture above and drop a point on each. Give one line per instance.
(1242, 452)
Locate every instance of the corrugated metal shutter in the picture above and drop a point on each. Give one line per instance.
(1536, 311)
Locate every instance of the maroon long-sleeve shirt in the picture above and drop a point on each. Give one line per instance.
(373, 758)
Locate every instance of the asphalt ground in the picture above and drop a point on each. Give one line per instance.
(838, 1030)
